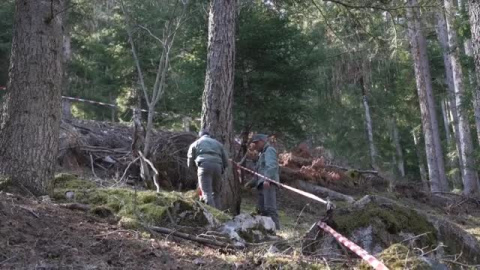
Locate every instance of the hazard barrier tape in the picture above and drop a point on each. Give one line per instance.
(306, 194)
(372, 261)
(97, 102)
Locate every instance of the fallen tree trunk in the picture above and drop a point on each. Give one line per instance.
(324, 192)
(347, 169)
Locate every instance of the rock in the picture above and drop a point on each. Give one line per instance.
(46, 199)
(247, 228)
(109, 159)
(70, 195)
(199, 261)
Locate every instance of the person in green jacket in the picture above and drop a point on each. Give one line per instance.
(211, 160)
(267, 165)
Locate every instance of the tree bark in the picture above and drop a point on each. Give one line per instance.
(398, 148)
(31, 117)
(421, 164)
(442, 34)
(368, 124)
(218, 93)
(469, 174)
(436, 167)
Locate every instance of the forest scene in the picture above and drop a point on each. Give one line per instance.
(239, 134)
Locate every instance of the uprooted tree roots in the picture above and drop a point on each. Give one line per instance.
(106, 150)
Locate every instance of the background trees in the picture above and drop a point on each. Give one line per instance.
(341, 74)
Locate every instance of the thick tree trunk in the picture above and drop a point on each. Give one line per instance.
(436, 167)
(398, 148)
(443, 39)
(474, 15)
(31, 117)
(421, 164)
(442, 34)
(469, 174)
(217, 97)
(454, 162)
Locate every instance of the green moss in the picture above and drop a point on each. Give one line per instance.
(399, 256)
(153, 213)
(129, 223)
(218, 214)
(71, 182)
(102, 211)
(352, 174)
(4, 183)
(144, 206)
(274, 262)
(394, 219)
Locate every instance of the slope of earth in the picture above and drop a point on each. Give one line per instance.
(40, 235)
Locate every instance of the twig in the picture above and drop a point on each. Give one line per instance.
(193, 238)
(112, 232)
(155, 177)
(299, 215)
(4, 261)
(75, 206)
(91, 164)
(462, 264)
(415, 237)
(128, 167)
(30, 211)
(347, 169)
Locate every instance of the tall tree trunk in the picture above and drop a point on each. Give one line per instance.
(217, 97)
(31, 117)
(474, 15)
(368, 124)
(398, 148)
(474, 86)
(452, 162)
(443, 39)
(421, 164)
(446, 122)
(436, 167)
(469, 174)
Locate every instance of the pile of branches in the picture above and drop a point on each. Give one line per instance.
(313, 167)
(105, 149)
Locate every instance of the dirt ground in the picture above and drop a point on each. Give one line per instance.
(39, 235)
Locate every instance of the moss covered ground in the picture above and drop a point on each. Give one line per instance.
(134, 206)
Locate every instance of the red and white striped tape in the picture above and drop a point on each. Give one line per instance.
(90, 101)
(372, 261)
(301, 192)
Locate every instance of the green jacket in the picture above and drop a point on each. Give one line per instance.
(207, 149)
(267, 164)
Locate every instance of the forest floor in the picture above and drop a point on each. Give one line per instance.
(38, 234)
(42, 235)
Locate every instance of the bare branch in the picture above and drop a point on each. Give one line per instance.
(134, 53)
(377, 7)
(152, 35)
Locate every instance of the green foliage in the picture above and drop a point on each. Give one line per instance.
(273, 72)
(6, 33)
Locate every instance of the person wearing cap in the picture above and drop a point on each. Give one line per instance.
(211, 160)
(267, 165)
